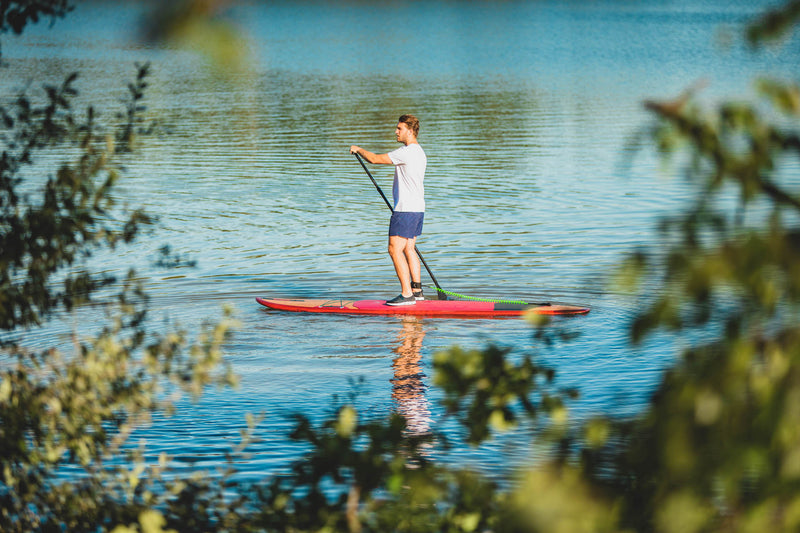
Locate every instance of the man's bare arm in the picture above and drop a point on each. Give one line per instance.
(375, 159)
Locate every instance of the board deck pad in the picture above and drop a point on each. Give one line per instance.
(452, 308)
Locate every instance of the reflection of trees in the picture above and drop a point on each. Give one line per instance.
(408, 390)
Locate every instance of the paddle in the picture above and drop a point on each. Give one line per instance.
(439, 291)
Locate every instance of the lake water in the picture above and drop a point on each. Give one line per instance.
(527, 111)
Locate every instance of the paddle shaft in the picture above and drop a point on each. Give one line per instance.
(389, 205)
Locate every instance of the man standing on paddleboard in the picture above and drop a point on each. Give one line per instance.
(408, 192)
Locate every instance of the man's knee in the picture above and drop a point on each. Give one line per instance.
(397, 245)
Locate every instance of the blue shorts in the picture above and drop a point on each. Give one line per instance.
(406, 224)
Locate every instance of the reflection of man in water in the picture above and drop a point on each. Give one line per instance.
(408, 389)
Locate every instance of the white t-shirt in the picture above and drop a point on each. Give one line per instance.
(408, 189)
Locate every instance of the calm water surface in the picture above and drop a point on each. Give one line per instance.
(527, 112)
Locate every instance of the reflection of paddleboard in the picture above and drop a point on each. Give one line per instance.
(451, 308)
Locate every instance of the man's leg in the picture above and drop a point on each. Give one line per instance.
(414, 268)
(397, 247)
(413, 260)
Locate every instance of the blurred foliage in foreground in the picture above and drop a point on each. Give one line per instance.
(718, 448)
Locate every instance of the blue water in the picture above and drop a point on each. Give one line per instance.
(528, 110)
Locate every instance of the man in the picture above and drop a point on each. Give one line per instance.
(408, 192)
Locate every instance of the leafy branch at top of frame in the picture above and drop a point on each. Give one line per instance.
(16, 15)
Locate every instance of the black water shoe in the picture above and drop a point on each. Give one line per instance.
(402, 300)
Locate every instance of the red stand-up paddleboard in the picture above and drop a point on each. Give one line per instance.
(444, 308)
